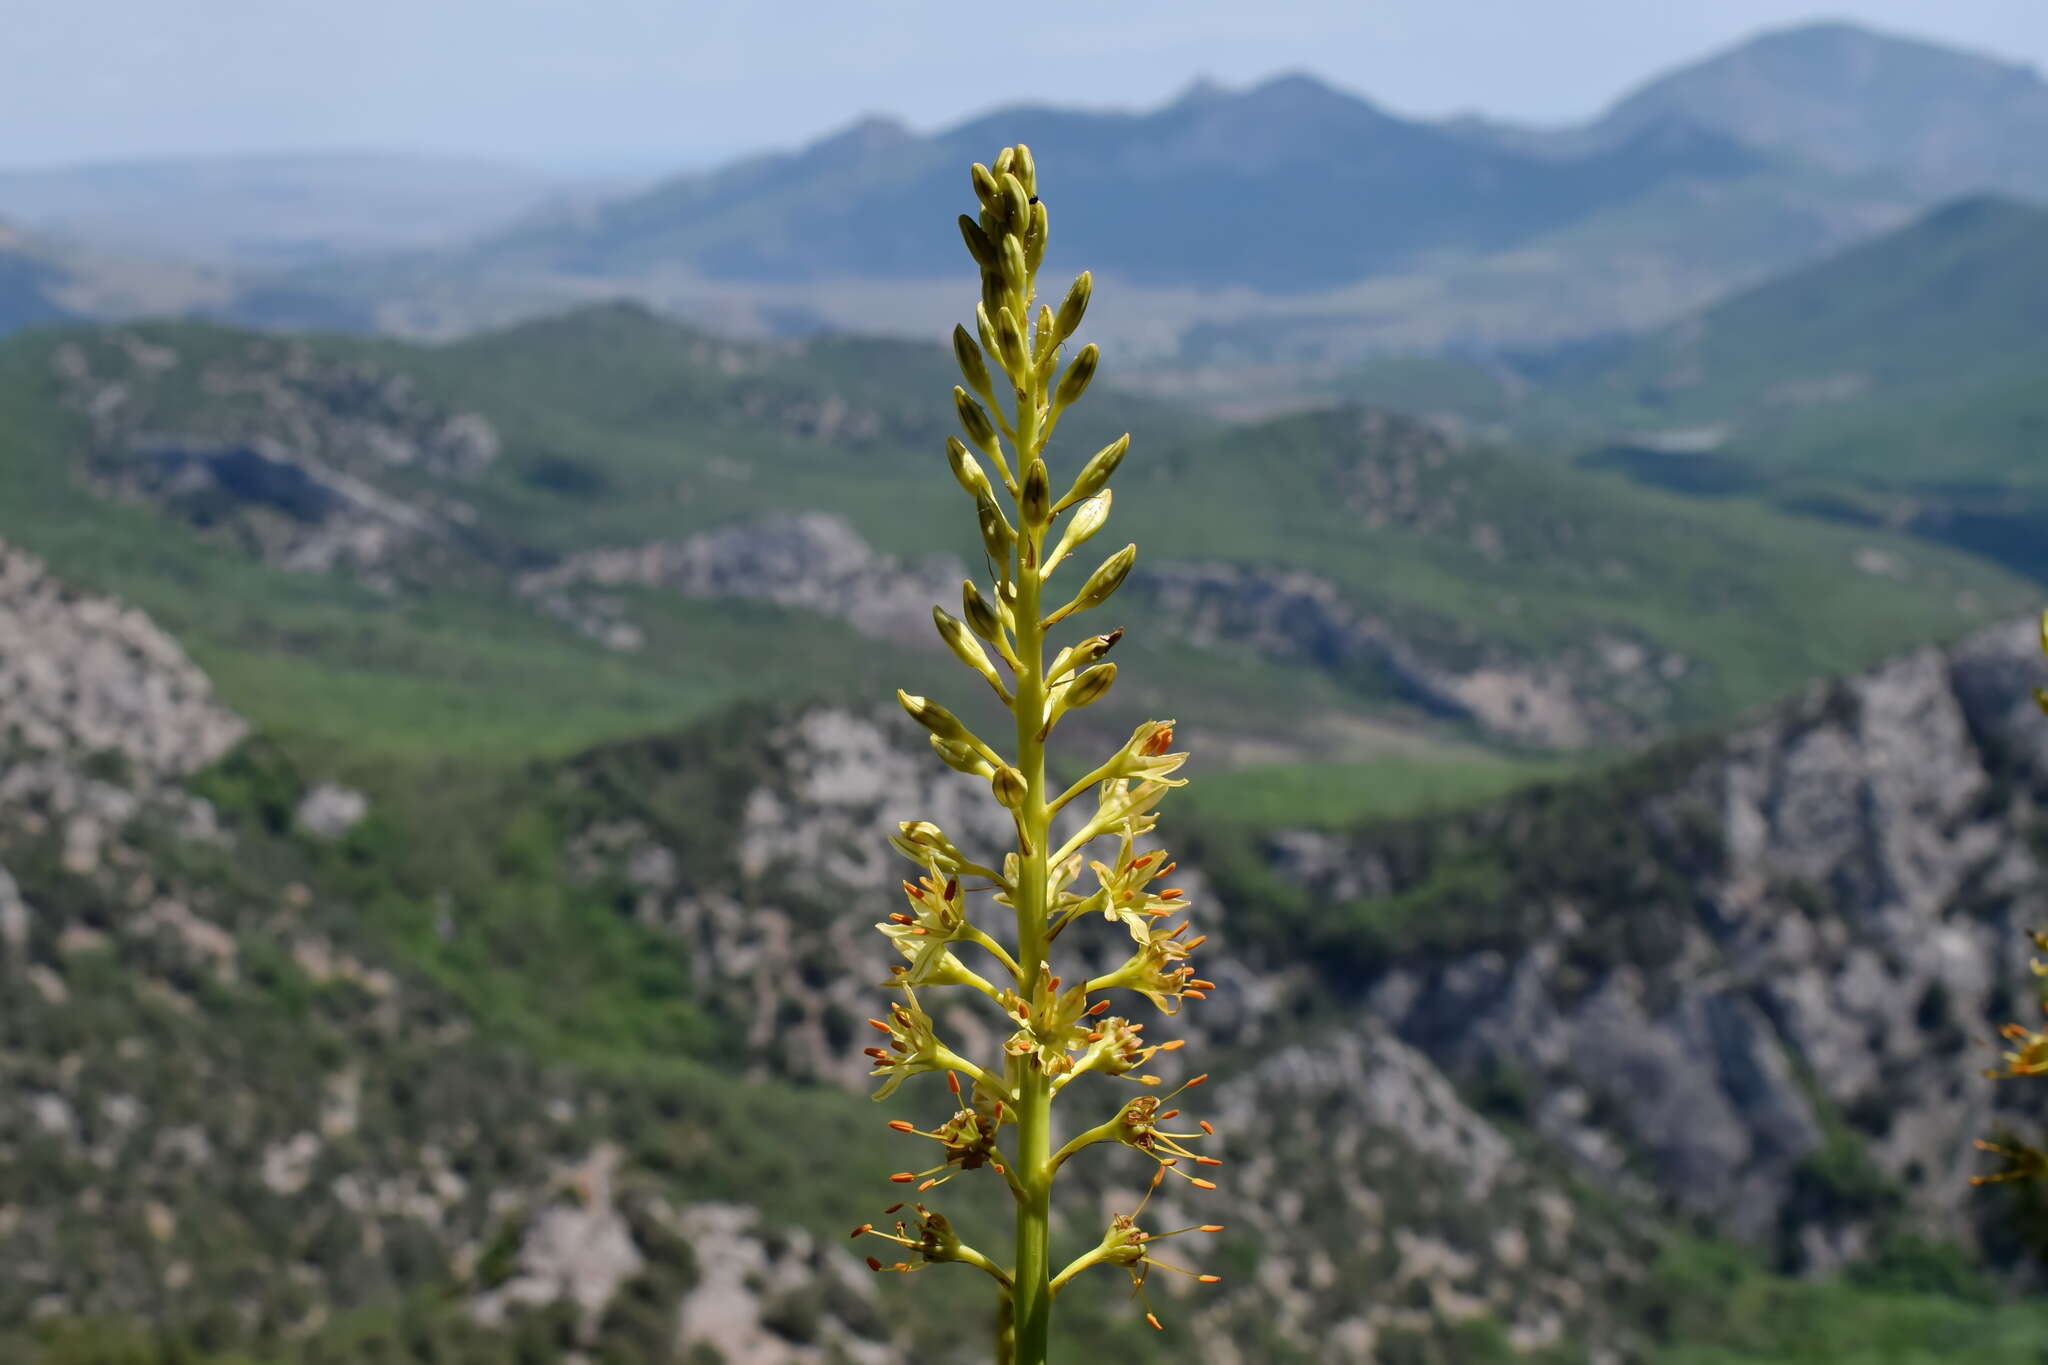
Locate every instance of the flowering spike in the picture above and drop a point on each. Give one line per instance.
(1055, 1030)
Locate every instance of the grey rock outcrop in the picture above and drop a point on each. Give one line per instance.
(812, 561)
(1747, 970)
(1610, 689)
(287, 453)
(82, 675)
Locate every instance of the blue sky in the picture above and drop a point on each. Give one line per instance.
(652, 84)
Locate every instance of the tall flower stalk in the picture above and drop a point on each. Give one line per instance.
(1020, 379)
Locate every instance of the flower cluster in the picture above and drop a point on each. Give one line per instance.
(2026, 1054)
(989, 923)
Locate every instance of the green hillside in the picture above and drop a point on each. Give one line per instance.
(1424, 568)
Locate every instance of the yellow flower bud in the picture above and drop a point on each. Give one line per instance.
(934, 717)
(1008, 785)
(972, 367)
(1024, 168)
(1016, 273)
(1034, 502)
(1075, 306)
(1010, 337)
(985, 187)
(974, 421)
(1096, 473)
(1106, 579)
(981, 617)
(967, 470)
(961, 758)
(996, 534)
(1035, 236)
(978, 244)
(964, 646)
(1074, 382)
(1090, 685)
(1015, 203)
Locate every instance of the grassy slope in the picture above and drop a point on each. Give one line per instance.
(627, 396)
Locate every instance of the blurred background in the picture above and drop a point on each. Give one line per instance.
(472, 475)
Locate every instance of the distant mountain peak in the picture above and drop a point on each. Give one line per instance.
(1849, 98)
(865, 135)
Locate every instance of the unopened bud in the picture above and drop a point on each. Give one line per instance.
(1096, 474)
(985, 187)
(1025, 169)
(934, 717)
(981, 617)
(1010, 337)
(1034, 238)
(967, 470)
(1088, 518)
(960, 758)
(1075, 306)
(1042, 338)
(964, 646)
(1034, 502)
(1008, 785)
(1090, 685)
(974, 421)
(1106, 579)
(972, 367)
(996, 534)
(978, 244)
(1016, 204)
(1015, 272)
(1074, 382)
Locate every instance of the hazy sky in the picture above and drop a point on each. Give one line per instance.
(652, 83)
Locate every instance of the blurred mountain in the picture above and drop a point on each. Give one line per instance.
(1850, 99)
(46, 281)
(256, 211)
(1897, 383)
(1958, 297)
(1287, 186)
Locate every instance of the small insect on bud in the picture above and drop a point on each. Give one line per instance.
(1101, 584)
(967, 470)
(978, 244)
(1096, 474)
(974, 421)
(1034, 503)
(1008, 785)
(981, 617)
(972, 367)
(1075, 306)
(1090, 686)
(1074, 382)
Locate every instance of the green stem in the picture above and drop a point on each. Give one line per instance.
(1032, 1275)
